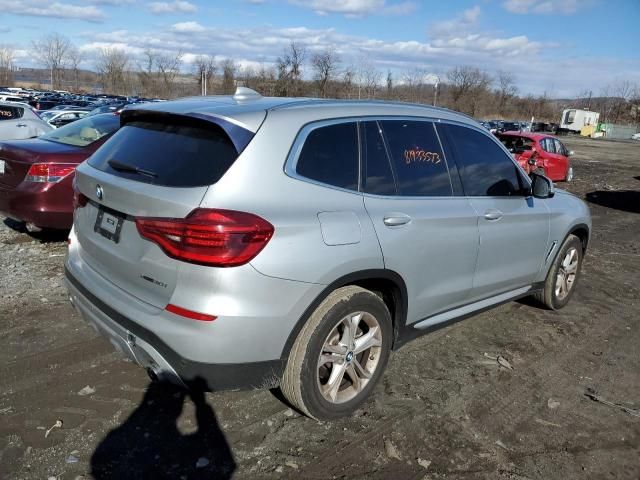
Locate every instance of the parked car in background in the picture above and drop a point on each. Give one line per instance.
(60, 118)
(548, 154)
(112, 108)
(364, 217)
(36, 175)
(19, 121)
(635, 136)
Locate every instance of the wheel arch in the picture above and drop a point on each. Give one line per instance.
(581, 231)
(388, 284)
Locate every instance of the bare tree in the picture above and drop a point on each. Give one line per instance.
(205, 67)
(389, 85)
(368, 79)
(506, 90)
(467, 85)
(75, 59)
(229, 71)
(52, 51)
(112, 65)
(325, 66)
(289, 67)
(348, 80)
(168, 69)
(6, 66)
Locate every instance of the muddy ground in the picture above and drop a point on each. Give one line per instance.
(443, 410)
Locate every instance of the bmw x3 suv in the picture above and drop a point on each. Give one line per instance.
(246, 241)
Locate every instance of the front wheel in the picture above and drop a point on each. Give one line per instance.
(563, 275)
(339, 355)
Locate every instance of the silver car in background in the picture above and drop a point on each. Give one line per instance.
(18, 121)
(242, 241)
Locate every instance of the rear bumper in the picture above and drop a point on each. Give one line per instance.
(149, 351)
(45, 205)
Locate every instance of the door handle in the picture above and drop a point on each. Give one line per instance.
(493, 215)
(396, 220)
(21, 125)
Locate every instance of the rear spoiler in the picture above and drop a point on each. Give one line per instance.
(239, 136)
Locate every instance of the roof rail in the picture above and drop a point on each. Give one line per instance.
(244, 93)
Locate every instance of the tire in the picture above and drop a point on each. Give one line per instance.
(540, 171)
(569, 176)
(557, 293)
(307, 381)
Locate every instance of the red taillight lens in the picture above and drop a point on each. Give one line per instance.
(79, 199)
(183, 312)
(49, 172)
(219, 238)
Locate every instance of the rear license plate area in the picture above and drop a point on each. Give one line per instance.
(109, 224)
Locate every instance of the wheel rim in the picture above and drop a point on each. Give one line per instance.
(350, 356)
(570, 174)
(567, 272)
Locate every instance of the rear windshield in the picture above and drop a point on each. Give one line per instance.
(84, 131)
(167, 154)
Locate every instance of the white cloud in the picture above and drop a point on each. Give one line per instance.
(356, 8)
(462, 23)
(178, 6)
(566, 7)
(44, 8)
(187, 27)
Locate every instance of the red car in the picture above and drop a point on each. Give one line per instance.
(549, 154)
(36, 175)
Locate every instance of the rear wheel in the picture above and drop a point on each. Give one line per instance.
(339, 355)
(563, 275)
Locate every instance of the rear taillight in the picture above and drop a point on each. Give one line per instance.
(79, 199)
(219, 238)
(49, 172)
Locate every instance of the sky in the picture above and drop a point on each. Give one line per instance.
(560, 48)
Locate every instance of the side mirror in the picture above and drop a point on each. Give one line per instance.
(571, 153)
(541, 186)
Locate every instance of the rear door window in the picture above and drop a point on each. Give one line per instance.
(485, 169)
(330, 155)
(10, 113)
(417, 158)
(548, 145)
(168, 154)
(560, 149)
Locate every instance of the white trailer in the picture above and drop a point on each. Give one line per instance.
(574, 119)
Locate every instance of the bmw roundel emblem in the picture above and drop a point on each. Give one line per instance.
(99, 192)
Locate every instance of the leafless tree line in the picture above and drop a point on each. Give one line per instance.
(317, 73)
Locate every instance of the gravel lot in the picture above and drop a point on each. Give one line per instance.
(444, 409)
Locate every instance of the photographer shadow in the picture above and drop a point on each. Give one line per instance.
(149, 445)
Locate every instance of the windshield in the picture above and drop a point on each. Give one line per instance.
(85, 131)
(48, 115)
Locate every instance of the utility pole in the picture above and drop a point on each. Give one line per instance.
(435, 91)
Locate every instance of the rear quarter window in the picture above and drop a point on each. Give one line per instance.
(178, 155)
(330, 155)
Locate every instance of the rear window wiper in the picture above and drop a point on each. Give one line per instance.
(125, 167)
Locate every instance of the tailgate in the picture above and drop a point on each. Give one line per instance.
(127, 260)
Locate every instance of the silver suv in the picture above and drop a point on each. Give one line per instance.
(244, 241)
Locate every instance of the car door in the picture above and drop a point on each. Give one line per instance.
(428, 235)
(12, 125)
(513, 226)
(554, 162)
(561, 160)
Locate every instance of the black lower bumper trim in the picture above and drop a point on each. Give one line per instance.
(211, 376)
